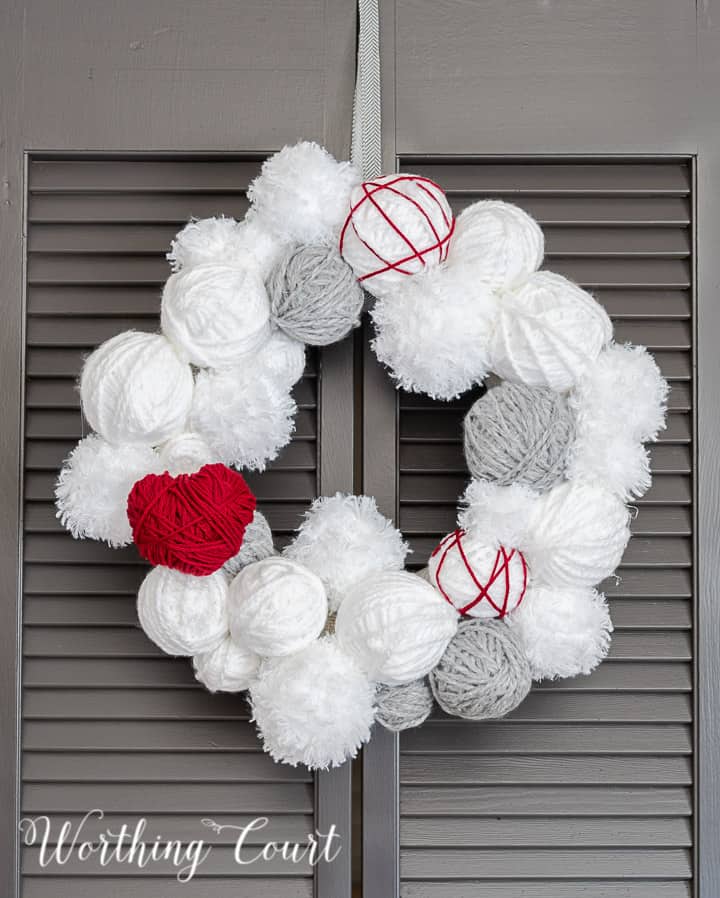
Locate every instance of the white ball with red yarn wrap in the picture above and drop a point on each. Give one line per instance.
(277, 607)
(397, 226)
(183, 614)
(134, 388)
(228, 667)
(549, 332)
(478, 579)
(396, 626)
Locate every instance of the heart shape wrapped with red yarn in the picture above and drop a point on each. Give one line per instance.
(193, 523)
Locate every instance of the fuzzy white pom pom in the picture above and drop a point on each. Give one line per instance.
(277, 607)
(135, 389)
(549, 333)
(92, 489)
(215, 313)
(302, 194)
(185, 454)
(396, 626)
(257, 245)
(182, 614)
(246, 419)
(228, 667)
(577, 533)
(203, 240)
(564, 632)
(257, 544)
(498, 242)
(478, 579)
(281, 358)
(611, 459)
(497, 515)
(314, 707)
(345, 539)
(434, 333)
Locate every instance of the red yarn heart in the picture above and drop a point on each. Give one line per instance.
(193, 522)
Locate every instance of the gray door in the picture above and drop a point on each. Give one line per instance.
(595, 118)
(128, 120)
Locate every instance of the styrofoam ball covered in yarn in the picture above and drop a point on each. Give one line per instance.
(519, 434)
(203, 240)
(246, 419)
(345, 539)
(228, 667)
(483, 674)
(577, 533)
(302, 194)
(134, 388)
(549, 332)
(92, 488)
(396, 626)
(215, 313)
(314, 707)
(280, 358)
(257, 544)
(499, 242)
(186, 453)
(564, 632)
(400, 708)
(497, 515)
(277, 606)
(434, 332)
(478, 579)
(397, 225)
(314, 295)
(182, 614)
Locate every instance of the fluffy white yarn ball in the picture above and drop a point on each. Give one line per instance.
(203, 240)
(499, 243)
(245, 419)
(215, 313)
(185, 454)
(277, 607)
(228, 667)
(564, 632)
(182, 614)
(611, 459)
(577, 534)
(257, 544)
(92, 489)
(396, 626)
(280, 358)
(549, 332)
(302, 194)
(434, 331)
(345, 539)
(314, 707)
(135, 389)
(497, 515)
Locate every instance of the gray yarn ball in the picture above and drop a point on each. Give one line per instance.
(315, 296)
(483, 674)
(402, 707)
(519, 434)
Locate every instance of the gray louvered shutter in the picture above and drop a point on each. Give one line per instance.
(109, 721)
(586, 788)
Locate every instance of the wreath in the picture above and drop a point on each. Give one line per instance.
(332, 635)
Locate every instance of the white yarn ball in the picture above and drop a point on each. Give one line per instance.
(396, 626)
(500, 243)
(314, 707)
(92, 489)
(462, 561)
(434, 332)
(215, 313)
(228, 667)
(497, 515)
(549, 333)
(302, 194)
(203, 240)
(186, 453)
(398, 225)
(277, 607)
(182, 614)
(257, 544)
(135, 389)
(577, 533)
(257, 245)
(245, 419)
(563, 632)
(345, 539)
(281, 358)
(611, 459)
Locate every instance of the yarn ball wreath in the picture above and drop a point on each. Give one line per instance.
(193, 523)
